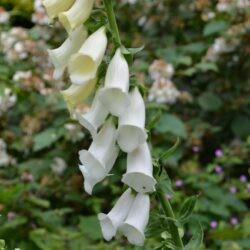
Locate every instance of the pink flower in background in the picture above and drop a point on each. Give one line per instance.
(234, 220)
(233, 189)
(248, 187)
(218, 169)
(213, 224)
(11, 215)
(179, 183)
(243, 178)
(218, 152)
(168, 196)
(195, 149)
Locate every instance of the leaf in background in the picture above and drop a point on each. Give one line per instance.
(241, 126)
(47, 138)
(196, 241)
(171, 124)
(215, 26)
(170, 151)
(89, 225)
(209, 101)
(187, 208)
(197, 47)
(207, 66)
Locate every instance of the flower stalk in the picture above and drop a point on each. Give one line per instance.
(167, 208)
(112, 21)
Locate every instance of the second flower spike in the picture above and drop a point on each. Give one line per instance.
(84, 64)
(131, 132)
(114, 95)
(101, 156)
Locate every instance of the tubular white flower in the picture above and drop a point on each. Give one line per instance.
(60, 56)
(139, 170)
(95, 117)
(131, 132)
(137, 220)
(114, 96)
(111, 221)
(101, 156)
(76, 15)
(84, 64)
(75, 94)
(54, 7)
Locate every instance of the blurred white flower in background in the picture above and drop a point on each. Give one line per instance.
(39, 16)
(58, 166)
(163, 91)
(7, 100)
(74, 132)
(160, 68)
(5, 159)
(4, 16)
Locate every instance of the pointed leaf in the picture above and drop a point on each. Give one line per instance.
(196, 240)
(187, 208)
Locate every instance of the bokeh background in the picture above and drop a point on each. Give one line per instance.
(196, 68)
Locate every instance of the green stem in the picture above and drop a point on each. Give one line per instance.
(112, 20)
(169, 213)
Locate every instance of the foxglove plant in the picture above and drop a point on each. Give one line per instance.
(115, 120)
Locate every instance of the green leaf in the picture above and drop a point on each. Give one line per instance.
(215, 26)
(2, 245)
(38, 202)
(154, 120)
(196, 241)
(164, 186)
(207, 66)
(89, 225)
(132, 50)
(241, 125)
(46, 138)
(209, 101)
(170, 151)
(171, 124)
(187, 208)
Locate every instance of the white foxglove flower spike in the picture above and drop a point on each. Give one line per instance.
(101, 156)
(111, 221)
(131, 132)
(139, 173)
(54, 7)
(76, 94)
(60, 56)
(114, 95)
(84, 64)
(76, 15)
(137, 220)
(95, 117)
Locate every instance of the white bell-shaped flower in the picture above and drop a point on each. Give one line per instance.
(95, 117)
(76, 15)
(131, 132)
(137, 220)
(102, 153)
(84, 64)
(89, 181)
(111, 221)
(114, 95)
(54, 7)
(76, 94)
(139, 173)
(60, 56)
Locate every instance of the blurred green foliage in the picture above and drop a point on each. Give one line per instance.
(42, 202)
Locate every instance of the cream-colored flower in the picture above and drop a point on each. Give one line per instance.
(60, 56)
(76, 15)
(76, 94)
(54, 7)
(84, 64)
